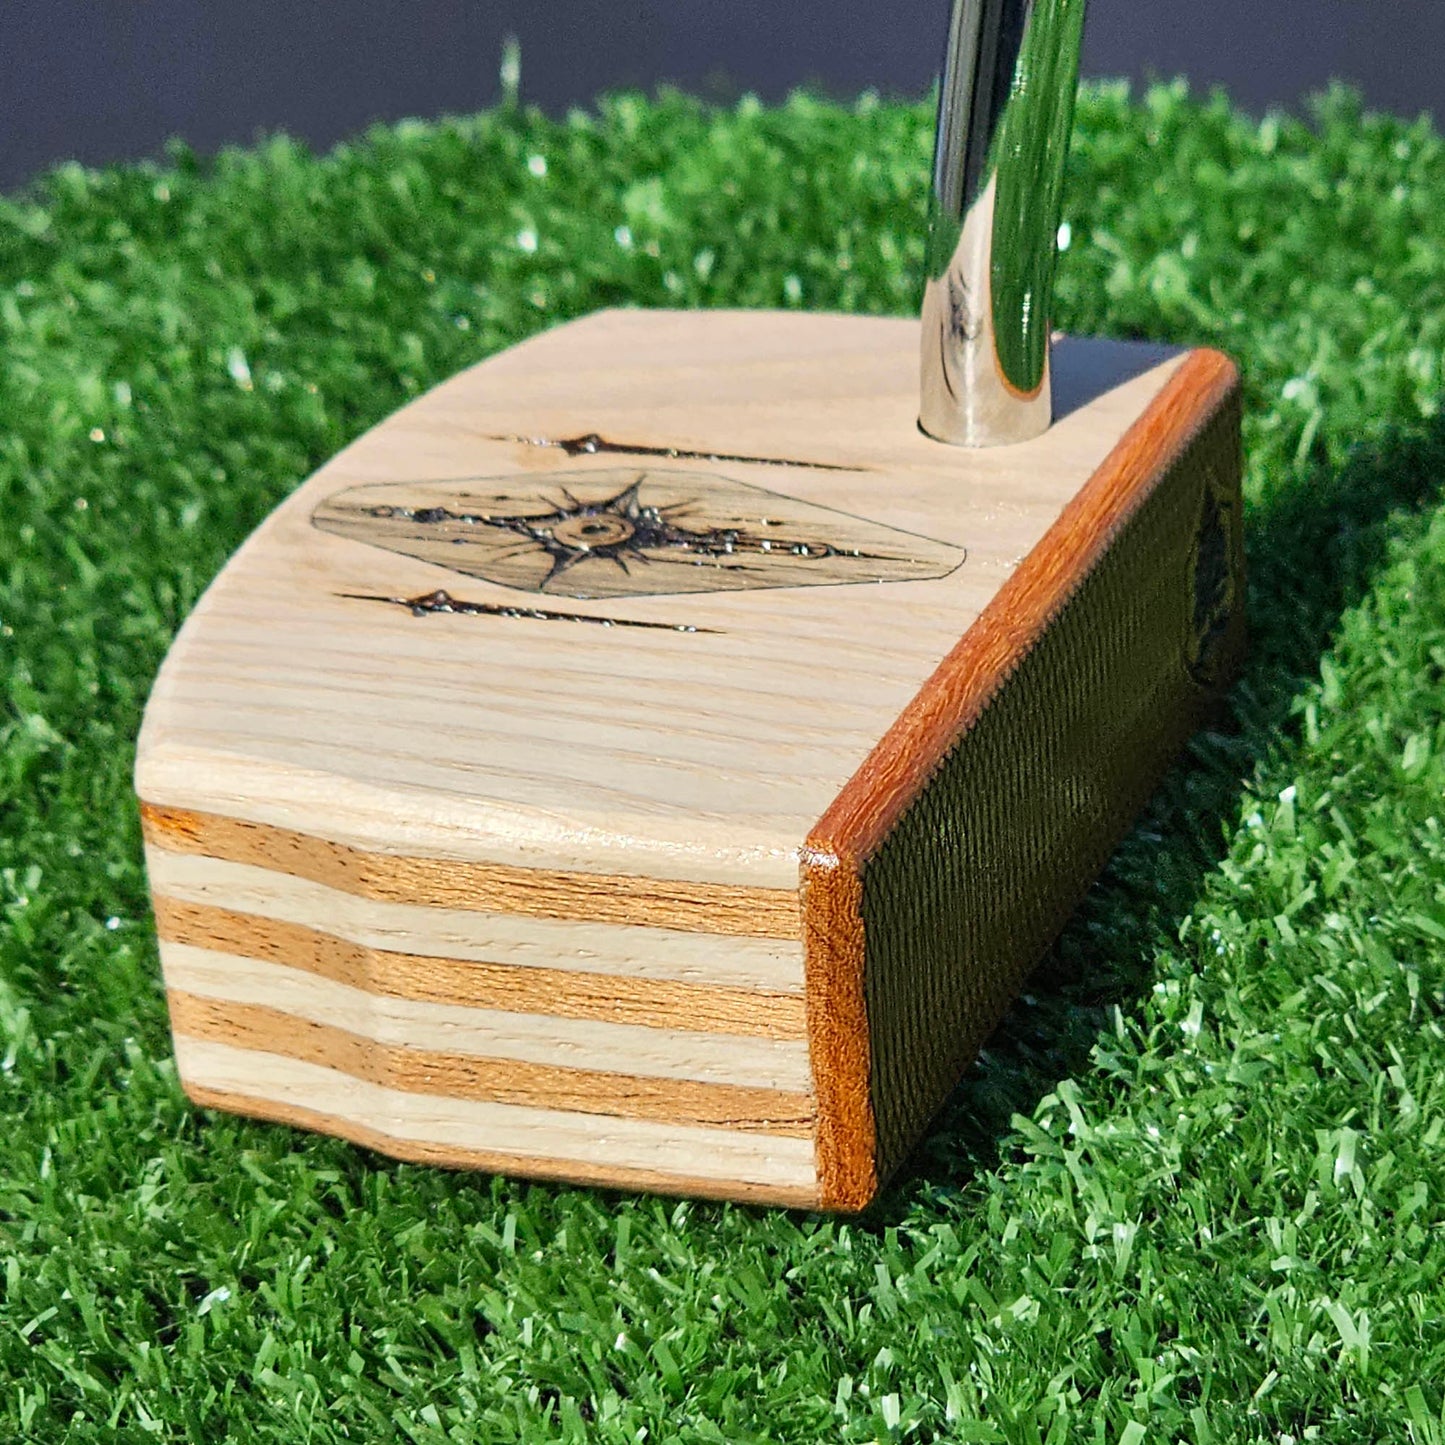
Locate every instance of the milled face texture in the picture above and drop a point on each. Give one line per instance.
(630, 532)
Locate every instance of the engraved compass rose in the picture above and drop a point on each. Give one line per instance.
(629, 533)
(622, 530)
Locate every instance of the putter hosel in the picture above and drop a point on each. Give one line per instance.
(1005, 110)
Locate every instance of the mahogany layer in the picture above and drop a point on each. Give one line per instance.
(491, 887)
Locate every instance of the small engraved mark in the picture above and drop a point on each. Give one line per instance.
(440, 601)
(590, 444)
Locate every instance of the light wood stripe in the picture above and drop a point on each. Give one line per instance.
(650, 1003)
(461, 1076)
(506, 1138)
(242, 711)
(490, 1033)
(763, 965)
(626, 704)
(491, 1161)
(713, 908)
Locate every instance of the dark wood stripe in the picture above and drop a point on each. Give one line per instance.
(553, 992)
(497, 1081)
(713, 908)
(839, 1046)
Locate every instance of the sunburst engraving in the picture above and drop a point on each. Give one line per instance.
(629, 534)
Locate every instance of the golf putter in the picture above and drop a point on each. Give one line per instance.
(656, 757)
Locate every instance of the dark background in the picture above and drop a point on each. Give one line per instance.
(101, 80)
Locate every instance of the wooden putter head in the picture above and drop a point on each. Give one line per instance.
(655, 757)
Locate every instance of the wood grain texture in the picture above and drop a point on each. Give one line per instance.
(505, 1138)
(488, 887)
(511, 855)
(839, 1042)
(466, 1076)
(603, 1174)
(567, 748)
(631, 952)
(557, 993)
(640, 1050)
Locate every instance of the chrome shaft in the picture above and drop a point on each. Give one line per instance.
(1005, 110)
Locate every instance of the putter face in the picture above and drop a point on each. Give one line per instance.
(650, 760)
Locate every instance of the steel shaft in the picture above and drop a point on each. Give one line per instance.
(1006, 107)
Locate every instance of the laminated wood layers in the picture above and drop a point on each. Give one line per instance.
(647, 760)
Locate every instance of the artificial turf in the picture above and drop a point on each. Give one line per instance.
(1194, 1191)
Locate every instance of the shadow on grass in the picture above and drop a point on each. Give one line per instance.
(1314, 549)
